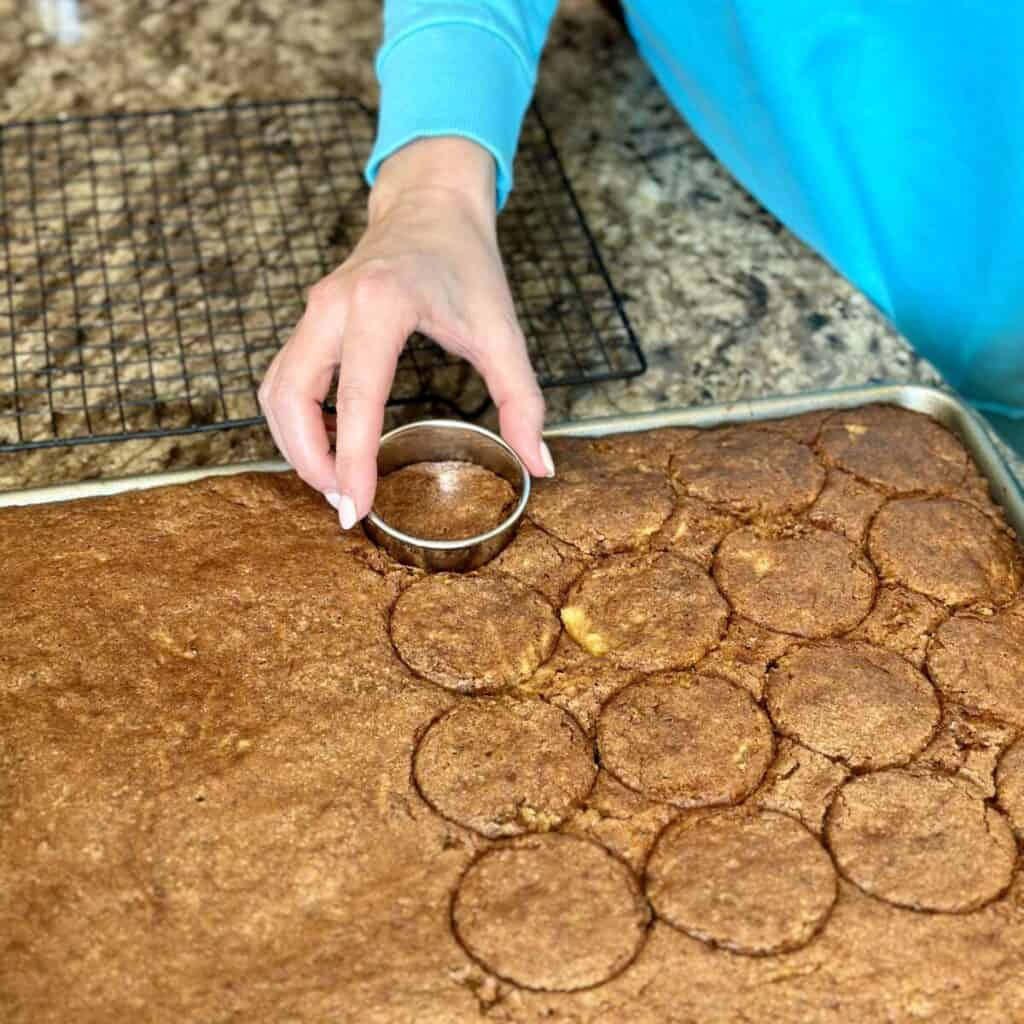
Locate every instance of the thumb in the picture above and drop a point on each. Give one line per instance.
(506, 370)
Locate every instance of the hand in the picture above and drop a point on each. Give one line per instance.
(429, 261)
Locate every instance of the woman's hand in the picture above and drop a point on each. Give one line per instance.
(429, 262)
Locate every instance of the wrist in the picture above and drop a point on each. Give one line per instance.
(447, 167)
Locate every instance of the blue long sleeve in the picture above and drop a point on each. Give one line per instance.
(467, 69)
(887, 134)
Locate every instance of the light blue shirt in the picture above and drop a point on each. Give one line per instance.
(887, 134)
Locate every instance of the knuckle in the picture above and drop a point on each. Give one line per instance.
(323, 295)
(376, 286)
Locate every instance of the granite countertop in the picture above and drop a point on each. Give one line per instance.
(726, 303)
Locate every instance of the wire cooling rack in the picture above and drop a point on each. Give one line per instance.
(153, 264)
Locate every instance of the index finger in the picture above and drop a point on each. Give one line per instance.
(298, 388)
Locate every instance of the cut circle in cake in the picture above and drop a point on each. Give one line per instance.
(444, 500)
(684, 739)
(1010, 785)
(755, 883)
(504, 766)
(921, 841)
(550, 912)
(473, 634)
(945, 549)
(648, 612)
(977, 662)
(795, 579)
(603, 511)
(901, 451)
(747, 471)
(867, 707)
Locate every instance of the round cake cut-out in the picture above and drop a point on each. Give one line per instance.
(444, 500)
(927, 842)
(603, 511)
(550, 912)
(794, 579)
(646, 612)
(978, 663)
(867, 707)
(504, 766)
(1010, 785)
(752, 883)
(473, 634)
(899, 450)
(688, 740)
(945, 549)
(748, 471)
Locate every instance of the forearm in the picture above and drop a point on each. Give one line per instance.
(466, 70)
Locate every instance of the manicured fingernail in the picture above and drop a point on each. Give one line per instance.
(347, 512)
(333, 498)
(545, 457)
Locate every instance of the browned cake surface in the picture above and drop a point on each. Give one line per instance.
(648, 612)
(733, 731)
(505, 766)
(443, 500)
(599, 511)
(774, 903)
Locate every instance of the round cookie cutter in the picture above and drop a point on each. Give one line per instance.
(442, 441)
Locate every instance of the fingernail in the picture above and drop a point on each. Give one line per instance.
(347, 512)
(545, 457)
(333, 498)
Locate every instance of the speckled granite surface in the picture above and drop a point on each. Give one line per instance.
(727, 304)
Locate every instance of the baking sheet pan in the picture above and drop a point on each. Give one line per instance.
(940, 405)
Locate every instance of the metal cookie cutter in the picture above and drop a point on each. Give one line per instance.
(441, 441)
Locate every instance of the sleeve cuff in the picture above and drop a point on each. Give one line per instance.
(452, 79)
